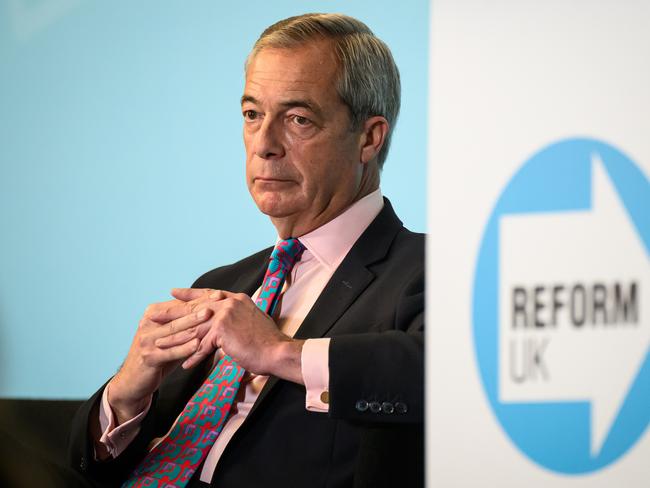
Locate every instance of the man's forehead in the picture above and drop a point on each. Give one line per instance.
(294, 78)
(290, 77)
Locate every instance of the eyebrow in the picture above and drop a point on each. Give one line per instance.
(287, 104)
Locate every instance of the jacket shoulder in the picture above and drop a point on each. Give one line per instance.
(408, 246)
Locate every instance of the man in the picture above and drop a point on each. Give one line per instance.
(333, 390)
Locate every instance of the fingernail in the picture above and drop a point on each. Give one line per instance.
(216, 295)
(202, 313)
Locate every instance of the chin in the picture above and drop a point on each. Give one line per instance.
(275, 207)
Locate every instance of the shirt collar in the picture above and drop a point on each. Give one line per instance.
(331, 242)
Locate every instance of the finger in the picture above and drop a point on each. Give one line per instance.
(156, 308)
(199, 294)
(176, 329)
(176, 310)
(172, 311)
(185, 330)
(189, 294)
(177, 338)
(207, 346)
(162, 356)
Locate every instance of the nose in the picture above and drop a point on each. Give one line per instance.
(268, 140)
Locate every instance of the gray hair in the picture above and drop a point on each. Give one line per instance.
(369, 82)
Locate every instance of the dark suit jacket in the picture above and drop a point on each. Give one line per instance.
(373, 309)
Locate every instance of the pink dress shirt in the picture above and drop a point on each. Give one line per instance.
(326, 247)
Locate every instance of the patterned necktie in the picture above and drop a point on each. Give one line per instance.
(174, 460)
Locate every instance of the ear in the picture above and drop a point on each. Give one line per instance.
(373, 135)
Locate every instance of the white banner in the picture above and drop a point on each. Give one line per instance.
(538, 346)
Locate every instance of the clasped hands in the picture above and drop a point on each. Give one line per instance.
(187, 330)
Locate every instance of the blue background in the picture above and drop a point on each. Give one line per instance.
(122, 166)
(557, 435)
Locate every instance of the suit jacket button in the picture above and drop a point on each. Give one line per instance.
(361, 406)
(387, 407)
(375, 407)
(82, 464)
(401, 407)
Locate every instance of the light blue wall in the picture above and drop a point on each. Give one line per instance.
(122, 166)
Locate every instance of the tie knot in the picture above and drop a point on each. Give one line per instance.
(286, 254)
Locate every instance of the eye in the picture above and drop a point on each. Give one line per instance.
(300, 120)
(251, 115)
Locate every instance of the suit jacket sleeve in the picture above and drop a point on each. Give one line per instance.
(384, 367)
(383, 363)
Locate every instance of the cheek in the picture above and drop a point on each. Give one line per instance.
(321, 181)
(248, 171)
(248, 150)
(342, 176)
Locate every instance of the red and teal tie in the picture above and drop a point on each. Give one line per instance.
(174, 460)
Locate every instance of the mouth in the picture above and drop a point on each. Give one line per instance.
(272, 181)
(264, 178)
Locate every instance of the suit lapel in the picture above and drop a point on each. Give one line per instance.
(350, 279)
(352, 276)
(348, 282)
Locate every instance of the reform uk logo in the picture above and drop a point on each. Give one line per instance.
(561, 306)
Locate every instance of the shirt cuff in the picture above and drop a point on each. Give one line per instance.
(316, 374)
(116, 438)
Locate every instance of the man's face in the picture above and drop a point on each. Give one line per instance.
(302, 158)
